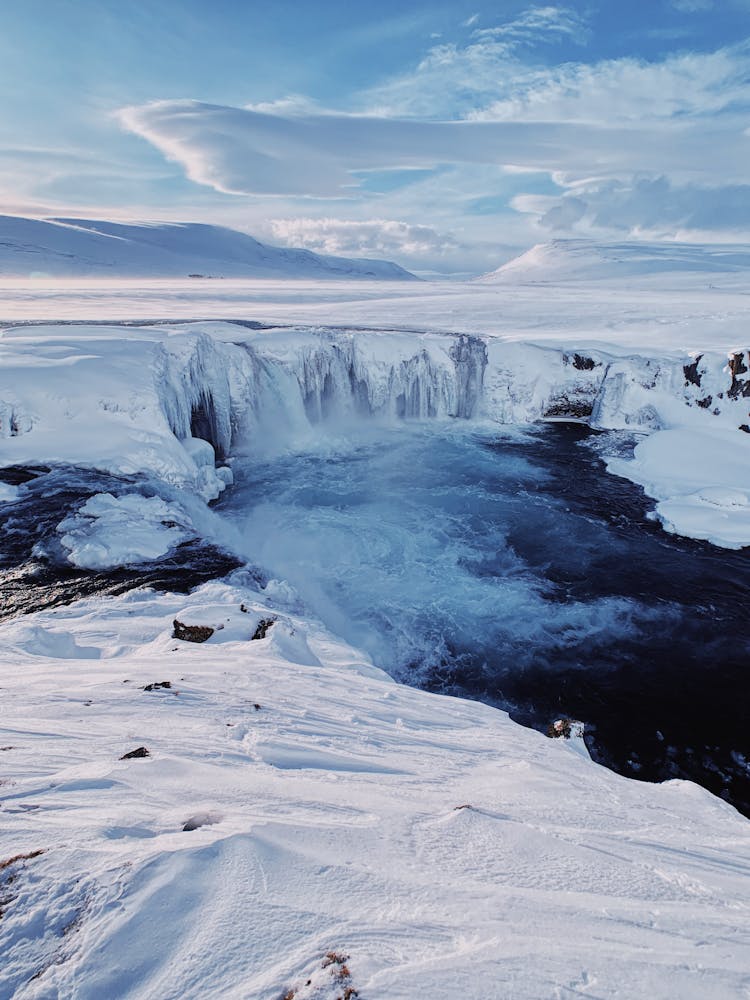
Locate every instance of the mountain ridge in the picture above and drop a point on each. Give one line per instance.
(82, 248)
(569, 259)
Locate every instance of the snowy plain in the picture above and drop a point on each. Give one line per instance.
(297, 802)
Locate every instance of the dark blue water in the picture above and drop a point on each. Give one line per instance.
(511, 568)
(34, 572)
(505, 567)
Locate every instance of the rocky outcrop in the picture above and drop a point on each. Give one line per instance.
(191, 633)
(737, 367)
(692, 375)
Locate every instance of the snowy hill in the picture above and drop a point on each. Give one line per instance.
(95, 248)
(571, 260)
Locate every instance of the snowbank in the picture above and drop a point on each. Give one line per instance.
(117, 399)
(117, 531)
(701, 481)
(298, 813)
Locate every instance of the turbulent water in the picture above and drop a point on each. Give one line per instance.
(509, 567)
(499, 564)
(34, 570)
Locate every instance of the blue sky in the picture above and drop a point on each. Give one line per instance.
(442, 135)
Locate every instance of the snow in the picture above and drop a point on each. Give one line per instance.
(112, 531)
(302, 824)
(171, 400)
(586, 260)
(432, 845)
(95, 247)
(111, 398)
(676, 465)
(8, 493)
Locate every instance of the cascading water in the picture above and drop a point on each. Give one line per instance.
(462, 558)
(502, 564)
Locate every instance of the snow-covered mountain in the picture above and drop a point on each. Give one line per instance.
(570, 260)
(85, 248)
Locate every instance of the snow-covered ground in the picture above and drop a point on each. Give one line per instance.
(65, 248)
(303, 826)
(679, 383)
(434, 846)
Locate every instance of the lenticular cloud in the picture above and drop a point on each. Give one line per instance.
(241, 151)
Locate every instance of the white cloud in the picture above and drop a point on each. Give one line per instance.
(487, 79)
(234, 150)
(369, 237)
(659, 147)
(539, 24)
(565, 214)
(470, 21)
(644, 204)
(684, 85)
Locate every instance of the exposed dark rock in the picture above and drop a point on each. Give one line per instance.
(692, 375)
(560, 728)
(737, 367)
(199, 820)
(157, 686)
(34, 572)
(704, 403)
(745, 428)
(204, 424)
(263, 626)
(29, 856)
(564, 406)
(134, 754)
(17, 475)
(583, 364)
(191, 633)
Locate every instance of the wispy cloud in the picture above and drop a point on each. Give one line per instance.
(540, 24)
(685, 85)
(487, 78)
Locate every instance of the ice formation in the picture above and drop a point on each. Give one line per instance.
(171, 401)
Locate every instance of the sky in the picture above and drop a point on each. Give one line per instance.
(447, 136)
